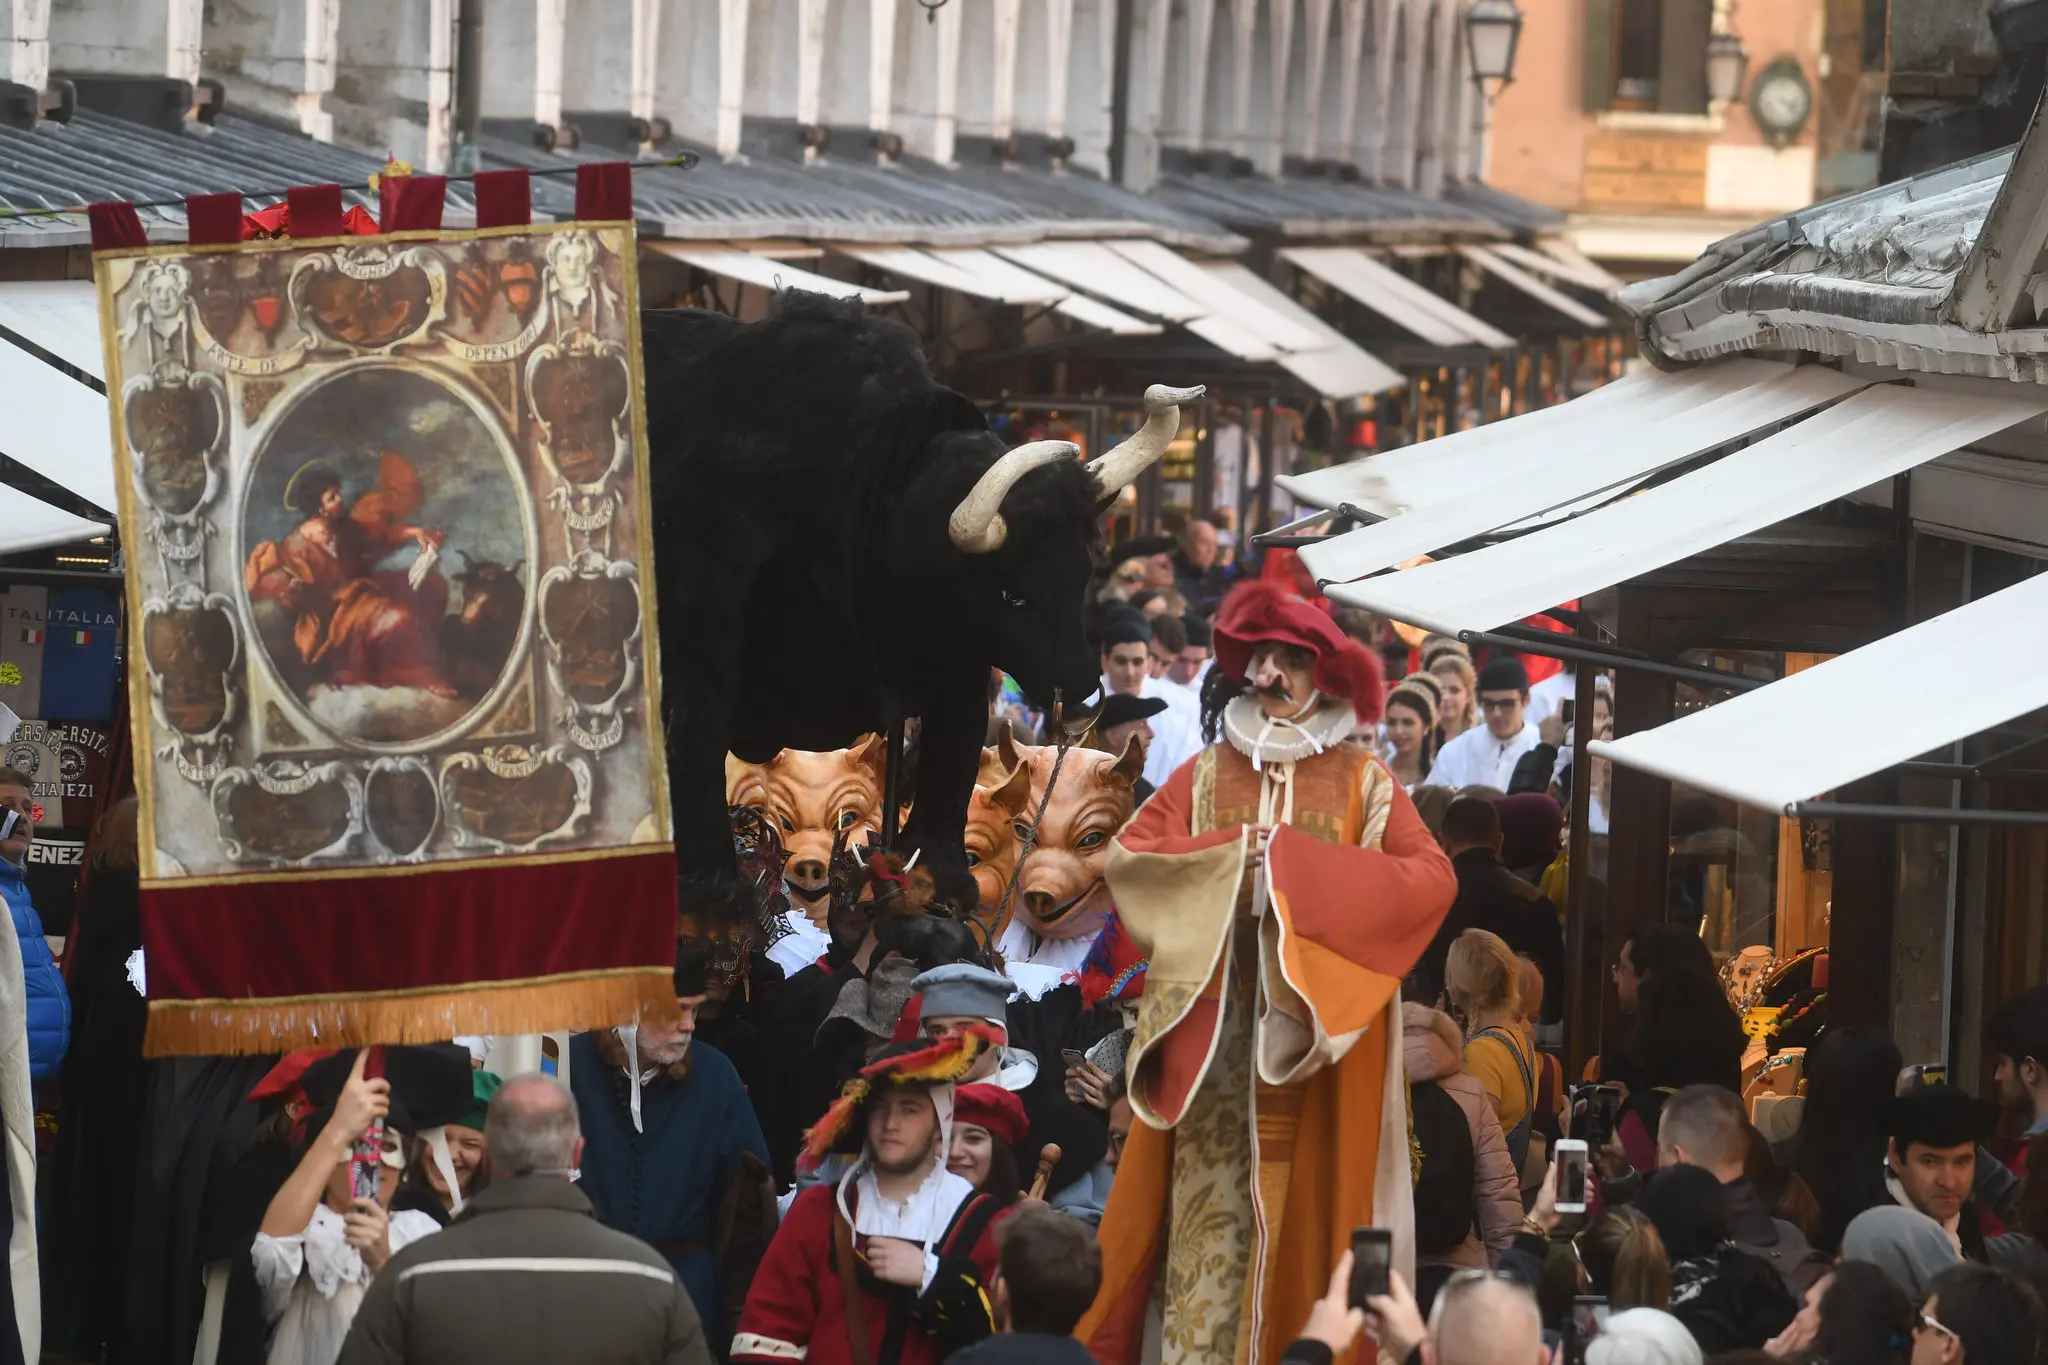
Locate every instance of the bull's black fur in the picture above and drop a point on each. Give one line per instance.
(804, 467)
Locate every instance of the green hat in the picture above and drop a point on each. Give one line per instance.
(483, 1085)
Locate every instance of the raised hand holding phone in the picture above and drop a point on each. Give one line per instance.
(1571, 1175)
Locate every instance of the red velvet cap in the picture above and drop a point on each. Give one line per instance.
(991, 1107)
(1262, 612)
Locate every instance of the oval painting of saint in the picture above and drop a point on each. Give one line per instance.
(385, 554)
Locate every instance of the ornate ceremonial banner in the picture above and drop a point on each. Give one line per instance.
(393, 662)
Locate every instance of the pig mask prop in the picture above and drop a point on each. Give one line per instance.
(1061, 894)
(811, 797)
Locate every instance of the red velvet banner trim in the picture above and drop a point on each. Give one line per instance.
(503, 198)
(115, 224)
(314, 211)
(213, 219)
(411, 203)
(311, 935)
(604, 192)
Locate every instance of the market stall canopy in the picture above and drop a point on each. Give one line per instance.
(60, 316)
(1546, 266)
(1866, 438)
(1441, 492)
(1396, 298)
(768, 273)
(1584, 270)
(27, 523)
(1861, 712)
(1095, 269)
(1219, 301)
(1506, 270)
(50, 422)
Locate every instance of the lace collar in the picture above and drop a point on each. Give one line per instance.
(1264, 740)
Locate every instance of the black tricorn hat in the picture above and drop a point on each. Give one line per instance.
(430, 1084)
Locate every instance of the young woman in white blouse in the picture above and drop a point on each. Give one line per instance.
(319, 1247)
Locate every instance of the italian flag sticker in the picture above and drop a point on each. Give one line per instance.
(81, 637)
(31, 636)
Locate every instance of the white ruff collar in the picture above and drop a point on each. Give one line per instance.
(1264, 740)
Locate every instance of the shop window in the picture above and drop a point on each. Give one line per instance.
(1647, 55)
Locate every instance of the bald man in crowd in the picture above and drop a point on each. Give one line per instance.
(526, 1272)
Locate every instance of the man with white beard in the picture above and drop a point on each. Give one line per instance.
(667, 1130)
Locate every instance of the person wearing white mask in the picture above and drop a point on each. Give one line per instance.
(667, 1131)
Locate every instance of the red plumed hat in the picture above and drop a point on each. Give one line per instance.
(994, 1108)
(927, 1062)
(1261, 613)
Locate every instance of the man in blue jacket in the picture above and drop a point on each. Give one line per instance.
(49, 1006)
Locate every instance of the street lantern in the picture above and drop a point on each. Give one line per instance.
(1727, 63)
(1492, 29)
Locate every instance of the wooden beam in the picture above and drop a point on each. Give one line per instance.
(1638, 808)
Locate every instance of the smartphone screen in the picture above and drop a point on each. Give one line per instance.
(1571, 1176)
(1589, 1313)
(9, 818)
(1372, 1259)
(1910, 1079)
(1603, 1105)
(1567, 707)
(1072, 1057)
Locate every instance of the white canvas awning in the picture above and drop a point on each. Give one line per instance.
(1395, 297)
(1336, 366)
(1866, 438)
(1222, 298)
(992, 277)
(1507, 472)
(1503, 268)
(1861, 712)
(1586, 271)
(56, 426)
(61, 316)
(985, 275)
(28, 523)
(768, 273)
(1094, 269)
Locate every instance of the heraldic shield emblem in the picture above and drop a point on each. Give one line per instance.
(384, 502)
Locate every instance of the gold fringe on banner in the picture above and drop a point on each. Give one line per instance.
(585, 1000)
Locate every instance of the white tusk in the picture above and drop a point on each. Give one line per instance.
(913, 860)
(977, 526)
(1126, 462)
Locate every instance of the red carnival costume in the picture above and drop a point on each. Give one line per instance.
(813, 1298)
(1266, 1066)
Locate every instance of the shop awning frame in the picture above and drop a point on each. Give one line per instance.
(1527, 468)
(766, 272)
(1400, 300)
(1509, 273)
(1879, 433)
(1783, 746)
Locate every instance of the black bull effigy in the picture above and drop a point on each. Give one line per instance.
(842, 543)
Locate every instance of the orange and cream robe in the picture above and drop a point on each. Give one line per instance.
(1266, 1067)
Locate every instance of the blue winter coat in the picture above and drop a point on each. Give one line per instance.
(49, 1004)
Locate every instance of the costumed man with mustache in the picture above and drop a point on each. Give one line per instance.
(1281, 884)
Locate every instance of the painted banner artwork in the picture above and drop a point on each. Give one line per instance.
(393, 673)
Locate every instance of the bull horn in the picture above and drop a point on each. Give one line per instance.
(1162, 423)
(977, 525)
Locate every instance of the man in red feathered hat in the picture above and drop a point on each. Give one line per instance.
(1280, 885)
(890, 1264)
